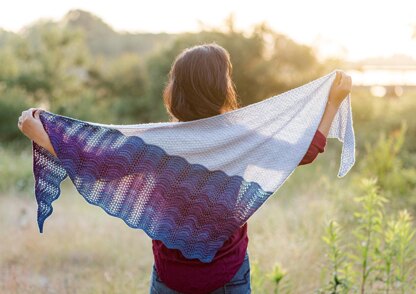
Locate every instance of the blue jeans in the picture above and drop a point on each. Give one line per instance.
(239, 284)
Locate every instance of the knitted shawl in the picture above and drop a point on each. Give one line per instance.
(189, 184)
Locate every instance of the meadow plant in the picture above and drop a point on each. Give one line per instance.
(380, 256)
(340, 281)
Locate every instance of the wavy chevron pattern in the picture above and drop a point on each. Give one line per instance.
(186, 206)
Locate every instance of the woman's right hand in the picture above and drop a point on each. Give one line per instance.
(340, 88)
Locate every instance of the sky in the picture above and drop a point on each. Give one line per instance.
(353, 29)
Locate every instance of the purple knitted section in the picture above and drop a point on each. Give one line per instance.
(186, 206)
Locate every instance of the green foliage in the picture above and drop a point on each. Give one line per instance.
(341, 278)
(257, 278)
(260, 280)
(382, 252)
(81, 67)
(12, 103)
(404, 234)
(51, 60)
(269, 64)
(383, 162)
(368, 230)
(15, 171)
(276, 276)
(373, 116)
(398, 255)
(123, 84)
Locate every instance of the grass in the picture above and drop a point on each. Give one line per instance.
(81, 251)
(15, 169)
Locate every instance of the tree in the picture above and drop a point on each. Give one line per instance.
(269, 64)
(51, 63)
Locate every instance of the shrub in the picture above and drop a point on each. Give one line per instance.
(381, 252)
(383, 162)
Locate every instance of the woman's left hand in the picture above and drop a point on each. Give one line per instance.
(29, 124)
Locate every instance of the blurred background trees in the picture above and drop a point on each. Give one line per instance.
(81, 67)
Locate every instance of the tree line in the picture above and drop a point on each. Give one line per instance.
(80, 67)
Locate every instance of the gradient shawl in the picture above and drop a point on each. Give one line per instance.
(188, 184)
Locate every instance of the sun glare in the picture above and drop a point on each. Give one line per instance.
(352, 31)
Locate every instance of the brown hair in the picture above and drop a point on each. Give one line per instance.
(200, 84)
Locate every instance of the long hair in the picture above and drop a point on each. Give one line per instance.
(200, 84)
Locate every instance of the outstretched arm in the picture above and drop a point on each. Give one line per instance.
(340, 89)
(30, 124)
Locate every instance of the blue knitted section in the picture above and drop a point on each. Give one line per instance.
(186, 206)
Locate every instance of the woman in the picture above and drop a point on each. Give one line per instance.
(200, 86)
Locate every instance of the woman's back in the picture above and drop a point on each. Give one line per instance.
(200, 86)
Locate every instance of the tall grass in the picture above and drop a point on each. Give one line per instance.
(380, 254)
(381, 251)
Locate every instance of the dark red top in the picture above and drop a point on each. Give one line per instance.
(193, 276)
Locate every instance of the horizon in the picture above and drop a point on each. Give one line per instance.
(391, 27)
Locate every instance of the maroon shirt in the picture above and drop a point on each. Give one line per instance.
(193, 276)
